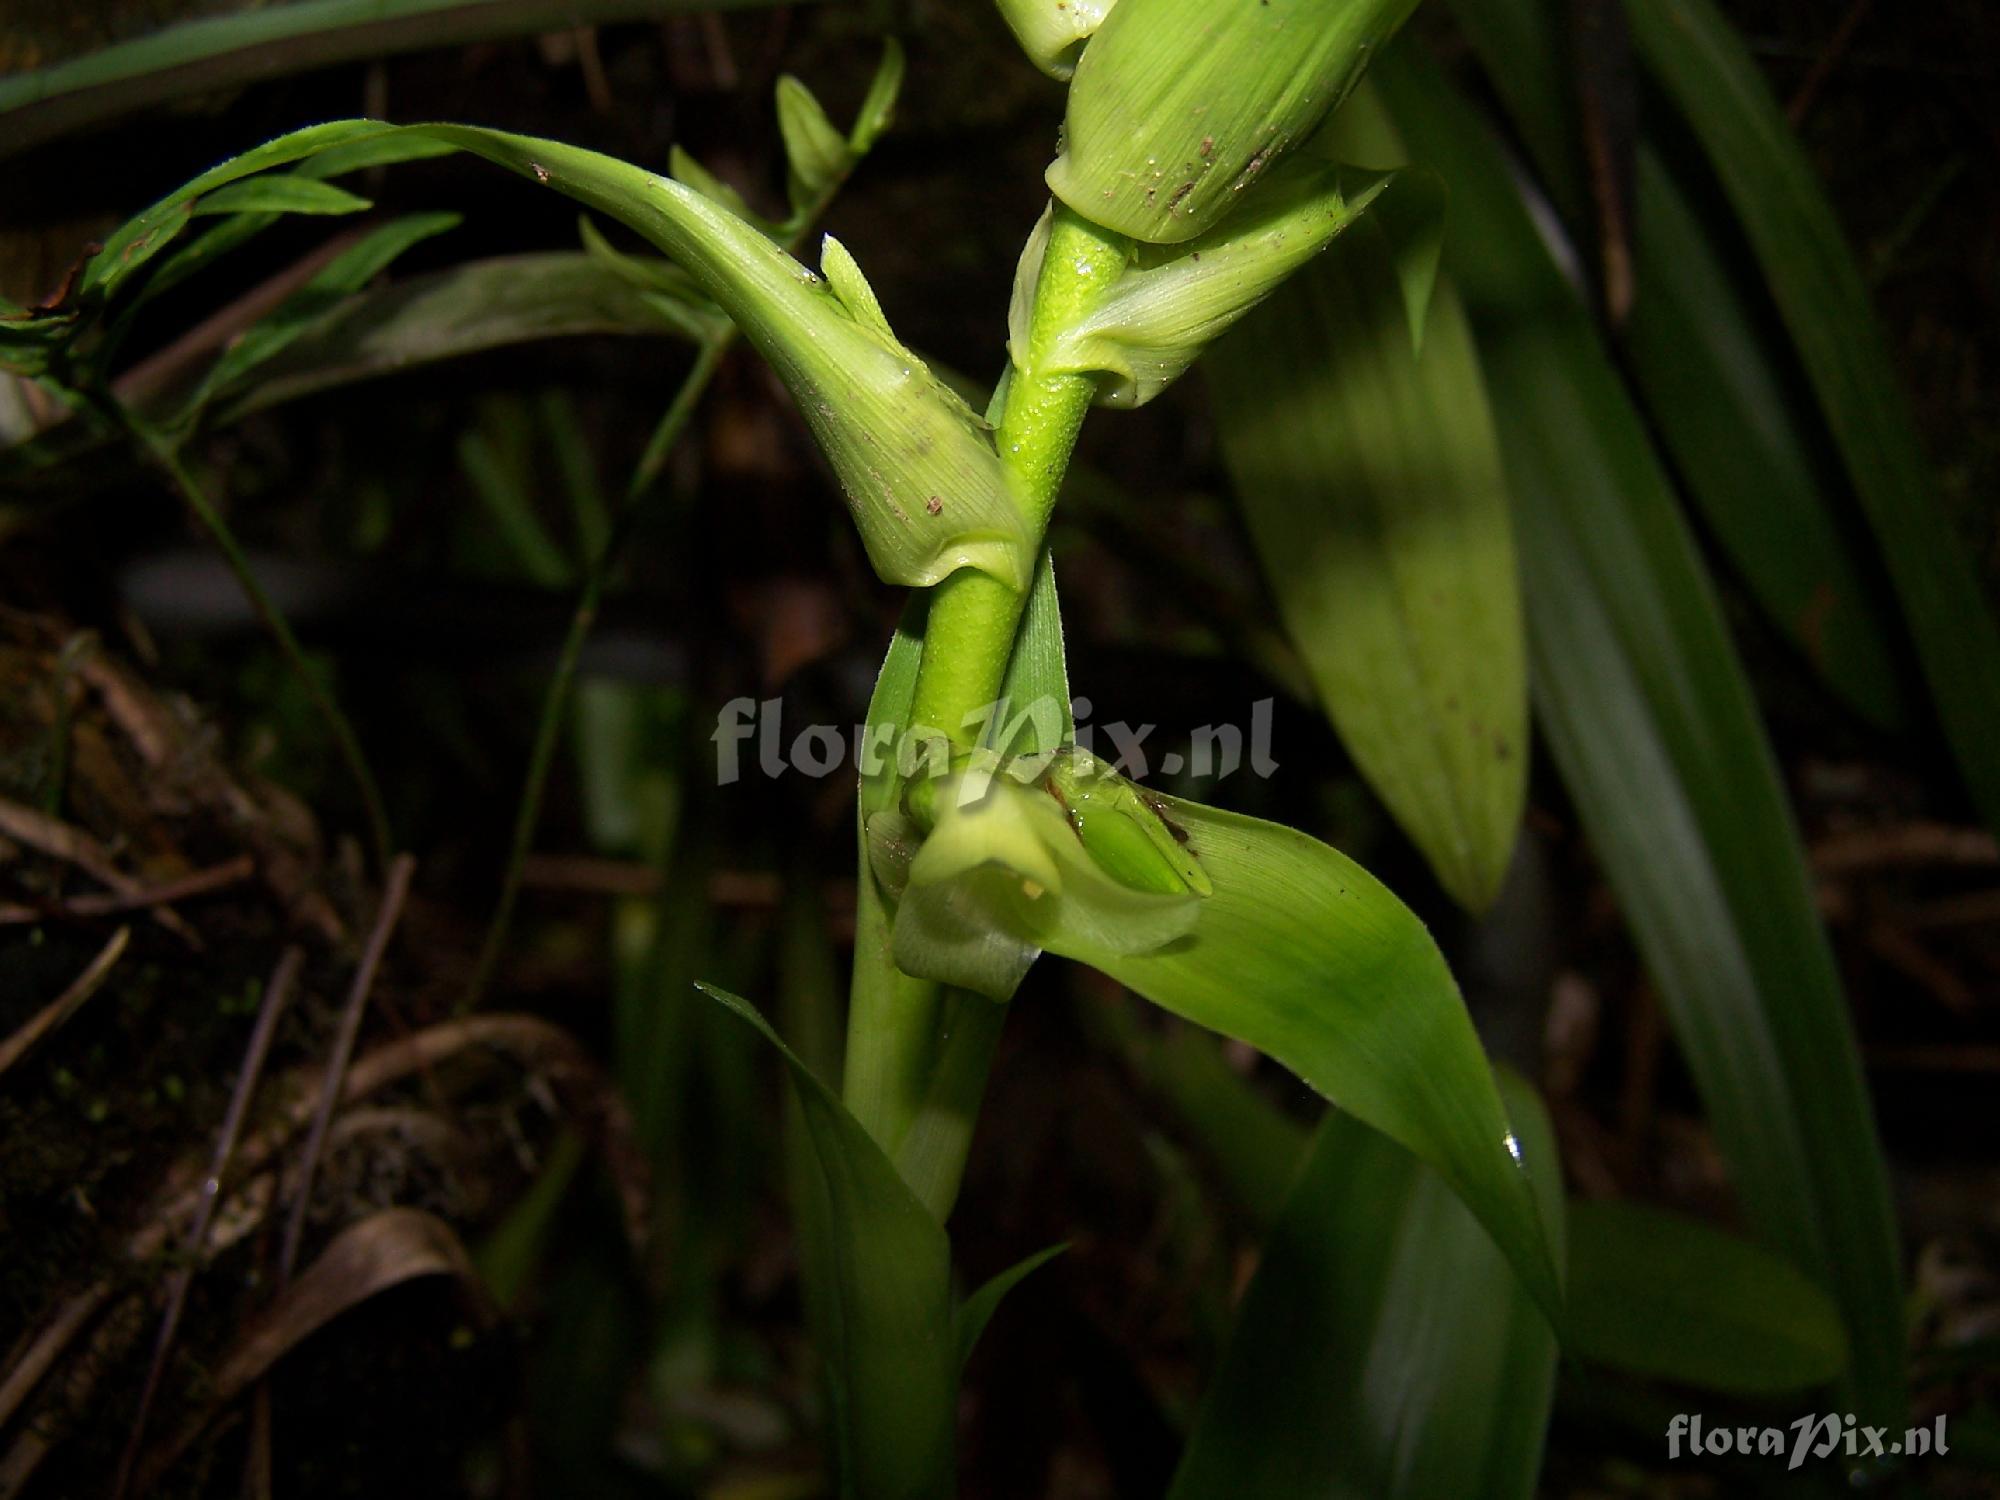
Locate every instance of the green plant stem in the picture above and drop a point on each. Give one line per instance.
(969, 632)
(345, 742)
(555, 702)
(971, 629)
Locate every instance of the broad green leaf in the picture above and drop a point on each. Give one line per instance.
(977, 1310)
(1656, 1294)
(1369, 476)
(1155, 320)
(1646, 709)
(1301, 953)
(896, 1364)
(923, 481)
(1819, 291)
(1385, 1349)
(1750, 447)
(221, 51)
(483, 304)
(1177, 108)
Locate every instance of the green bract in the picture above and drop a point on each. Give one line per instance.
(1025, 854)
(1052, 32)
(1157, 319)
(918, 466)
(1177, 106)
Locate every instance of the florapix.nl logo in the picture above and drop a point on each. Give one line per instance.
(752, 737)
(1827, 1435)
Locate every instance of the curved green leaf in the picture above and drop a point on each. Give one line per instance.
(923, 482)
(1304, 955)
(1748, 444)
(1369, 476)
(483, 304)
(895, 1367)
(977, 1310)
(1646, 709)
(1384, 1349)
(271, 41)
(1657, 1294)
(1819, 291)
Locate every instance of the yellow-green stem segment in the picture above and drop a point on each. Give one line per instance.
(918, 1091)
(969, 632)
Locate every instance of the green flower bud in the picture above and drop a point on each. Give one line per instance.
(1054, 852)
(922, 478)
(1178, 106)
(1052, 32)
(1154, 322)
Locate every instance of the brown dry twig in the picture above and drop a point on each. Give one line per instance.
(68, 1003)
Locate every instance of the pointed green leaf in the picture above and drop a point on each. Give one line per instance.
(1753, 460)
(684, 169)
(1384, 1349)
(288, 193)
(896, 1364)
(978, 1309)
(1704, 66)
(1158, 317)
(878, 105)
(1661, 1295)
(1749, 444)
(1179, 106)
(1369, 475)
(837, 265)
(816, 155)
(1645, 707)
(1301, 953)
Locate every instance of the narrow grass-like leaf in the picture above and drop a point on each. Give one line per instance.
(1253, 1147)
(223, 51)
(896, 1364)
(1701, 349)
(1656, 1294)
(287, 194)
(1704, 65)
(1649, 716)
(1301, 953)
(1177, 107)
(1749, 455)
(1369, 476)
(346, 274)
(1385, 1349)
(483, 304)
(976, 1311)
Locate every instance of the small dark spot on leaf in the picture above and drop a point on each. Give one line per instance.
(934, 505)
